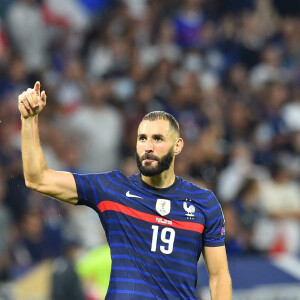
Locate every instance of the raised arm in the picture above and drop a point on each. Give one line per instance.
(60, 185)
(219, 277)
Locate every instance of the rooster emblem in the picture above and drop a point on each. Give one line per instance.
(189, 209)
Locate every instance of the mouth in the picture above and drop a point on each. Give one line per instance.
(149, 160)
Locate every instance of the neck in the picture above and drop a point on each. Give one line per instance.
(163, 180)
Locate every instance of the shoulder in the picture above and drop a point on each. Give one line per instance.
(117, 175)
(192, 188)
(105, 178)
(204, 197)
(114, 175)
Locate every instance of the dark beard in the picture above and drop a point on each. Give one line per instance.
(163, 163)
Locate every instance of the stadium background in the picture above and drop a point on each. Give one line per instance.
(228, 70)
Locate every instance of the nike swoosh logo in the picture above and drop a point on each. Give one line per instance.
(128, 194)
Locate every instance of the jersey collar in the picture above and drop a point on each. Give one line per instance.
(169, 189)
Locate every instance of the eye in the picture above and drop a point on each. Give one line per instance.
(142, 138)
(158, 139)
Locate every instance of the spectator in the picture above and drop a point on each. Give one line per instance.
(269, 69)
(71, 91)
(280, 201)
(188, 23)
(23, 19)
(97, 146)
(238, 170)
(36, 242)
(235, 244)
(65, 282)
(249, 212)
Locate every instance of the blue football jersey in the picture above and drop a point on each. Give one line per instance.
(155, 235)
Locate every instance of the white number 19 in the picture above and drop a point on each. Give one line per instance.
(163, 236)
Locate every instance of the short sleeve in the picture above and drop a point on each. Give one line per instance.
(90, 188)
(214, 231)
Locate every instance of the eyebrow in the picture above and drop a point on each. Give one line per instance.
(158, 136)
(155, 136)
(141, 135)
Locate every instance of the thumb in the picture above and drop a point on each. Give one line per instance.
(37, 87)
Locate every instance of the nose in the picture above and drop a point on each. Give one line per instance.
(148, 146)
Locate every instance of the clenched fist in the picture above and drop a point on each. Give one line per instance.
(31, 102)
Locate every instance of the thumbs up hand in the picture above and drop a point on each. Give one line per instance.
(32, 101)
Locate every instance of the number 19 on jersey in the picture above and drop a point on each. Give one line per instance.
(167, 236)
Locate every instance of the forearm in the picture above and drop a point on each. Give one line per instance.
(34, 163)
(220, 287)
(59, 185)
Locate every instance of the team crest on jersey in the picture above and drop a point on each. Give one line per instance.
(163, 206)
(190, 209)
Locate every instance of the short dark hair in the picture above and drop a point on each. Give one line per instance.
(162, 115)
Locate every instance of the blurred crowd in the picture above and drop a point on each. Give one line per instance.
(228, 70)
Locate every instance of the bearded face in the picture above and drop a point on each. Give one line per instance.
(146, 168)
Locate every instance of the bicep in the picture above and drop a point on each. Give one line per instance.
(215, 259)
(59, 185)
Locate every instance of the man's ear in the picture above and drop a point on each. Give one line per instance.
(178, 146)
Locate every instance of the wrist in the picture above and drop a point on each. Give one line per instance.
(23, 119)
(27, 118)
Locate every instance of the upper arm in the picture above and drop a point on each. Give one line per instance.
(216, 260)
(57, 184)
